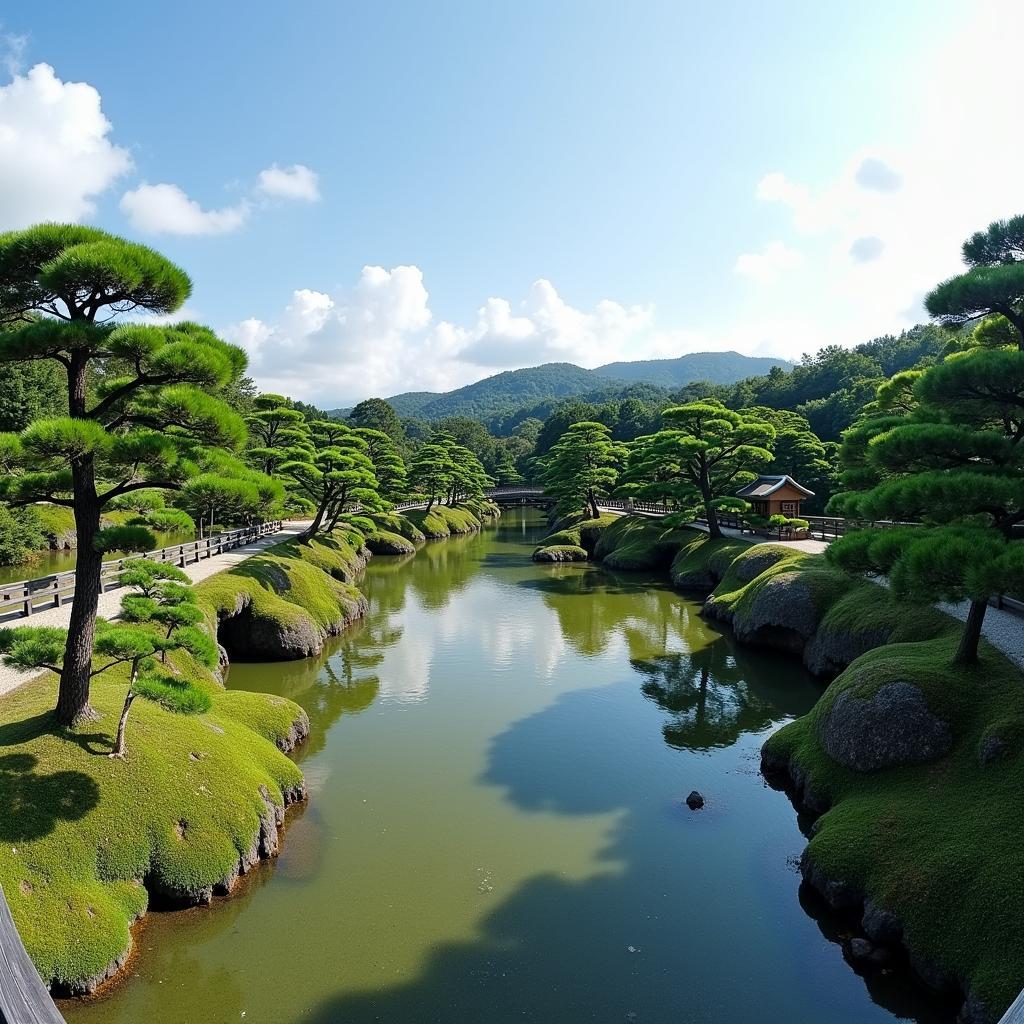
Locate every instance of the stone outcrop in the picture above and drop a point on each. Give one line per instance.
(892, 727)
(560, 553)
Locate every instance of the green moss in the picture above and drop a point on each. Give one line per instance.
(79, 832)
(940, 845)
(402, 525)
(294, 589)
(57, 522)
(384, 542)
(578, 530)
(701, 563)
(560, 553)
(442, 521)
(635, 542)
(866, 607)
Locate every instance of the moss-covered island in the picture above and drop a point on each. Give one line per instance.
(88, 843)
(910, 769)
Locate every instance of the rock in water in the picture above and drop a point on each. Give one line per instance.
(695, 801)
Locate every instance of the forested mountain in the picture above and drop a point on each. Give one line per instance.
(507, 392)
(715, 367)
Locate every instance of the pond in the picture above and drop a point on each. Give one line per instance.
(496, 829)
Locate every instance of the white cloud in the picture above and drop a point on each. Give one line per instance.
(166, 209)
(767, 265)
(295, 182)
(380, 337)
(55, 154)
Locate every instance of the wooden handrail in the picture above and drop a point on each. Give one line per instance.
(23, 996)
(59, 588)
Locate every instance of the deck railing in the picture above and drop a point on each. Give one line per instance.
(30, 596)
(23, 996)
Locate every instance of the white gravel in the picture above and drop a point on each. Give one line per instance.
(110, 602)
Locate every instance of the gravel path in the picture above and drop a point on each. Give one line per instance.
(110, 601)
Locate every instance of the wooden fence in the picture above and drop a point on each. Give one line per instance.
(53, 591)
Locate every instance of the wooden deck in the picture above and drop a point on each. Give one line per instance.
(1015, 1014)
(24, 998)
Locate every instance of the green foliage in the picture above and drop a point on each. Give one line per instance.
(142, 405)
(582, 467)
(956, 464)
(21, 534)
(699, 461)
(376, 414)
(124, 538)
(334, 472)
(388, 465)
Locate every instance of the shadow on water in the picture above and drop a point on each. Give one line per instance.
(639, 940)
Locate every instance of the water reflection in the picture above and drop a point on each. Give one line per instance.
(498, 759)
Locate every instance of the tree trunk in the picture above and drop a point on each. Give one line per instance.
(318, 519)
(73, 696)
(119, 746)
(967, 652)
(592, 499)
(711, 517)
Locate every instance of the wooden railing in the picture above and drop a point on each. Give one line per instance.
(23, 996)
(53, 591)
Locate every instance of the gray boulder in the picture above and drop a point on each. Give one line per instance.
(893, 727)
(781, 614)
(831, 650)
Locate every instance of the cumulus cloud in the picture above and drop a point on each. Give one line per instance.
(166, 209)
(55, 153)
(380, 337)
(295, 182)
(767, 265)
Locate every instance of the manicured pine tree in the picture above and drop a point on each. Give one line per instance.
(139, 397)
(955, 465)
(336, 474)
(994, 284)
(388, 465)
(469, 479)
(697, 463)
(274, 428)
(431, 472)
(582, 466)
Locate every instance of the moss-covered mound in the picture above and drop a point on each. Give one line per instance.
(701, 563)
(577, 531)
(86, 841)
(635, 542)
(284, 602)
(393, 522)
(560, 553)
(442, 521)
(384, 542)
(938, 846)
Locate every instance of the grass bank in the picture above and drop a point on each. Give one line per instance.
(936, 848)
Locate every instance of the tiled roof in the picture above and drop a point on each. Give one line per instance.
(766, 485)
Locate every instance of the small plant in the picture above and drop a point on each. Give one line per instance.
(159, 617)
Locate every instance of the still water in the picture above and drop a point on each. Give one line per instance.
(496, 830)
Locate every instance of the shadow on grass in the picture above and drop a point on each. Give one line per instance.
(31, 802)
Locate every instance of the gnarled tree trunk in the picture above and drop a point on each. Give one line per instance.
(967, 652)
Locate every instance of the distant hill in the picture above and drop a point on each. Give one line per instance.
(513, 389)
(716, 367)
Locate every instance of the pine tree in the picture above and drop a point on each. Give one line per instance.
(581, 467)
(140, 398)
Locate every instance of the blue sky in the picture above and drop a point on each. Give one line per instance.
(521, 182)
